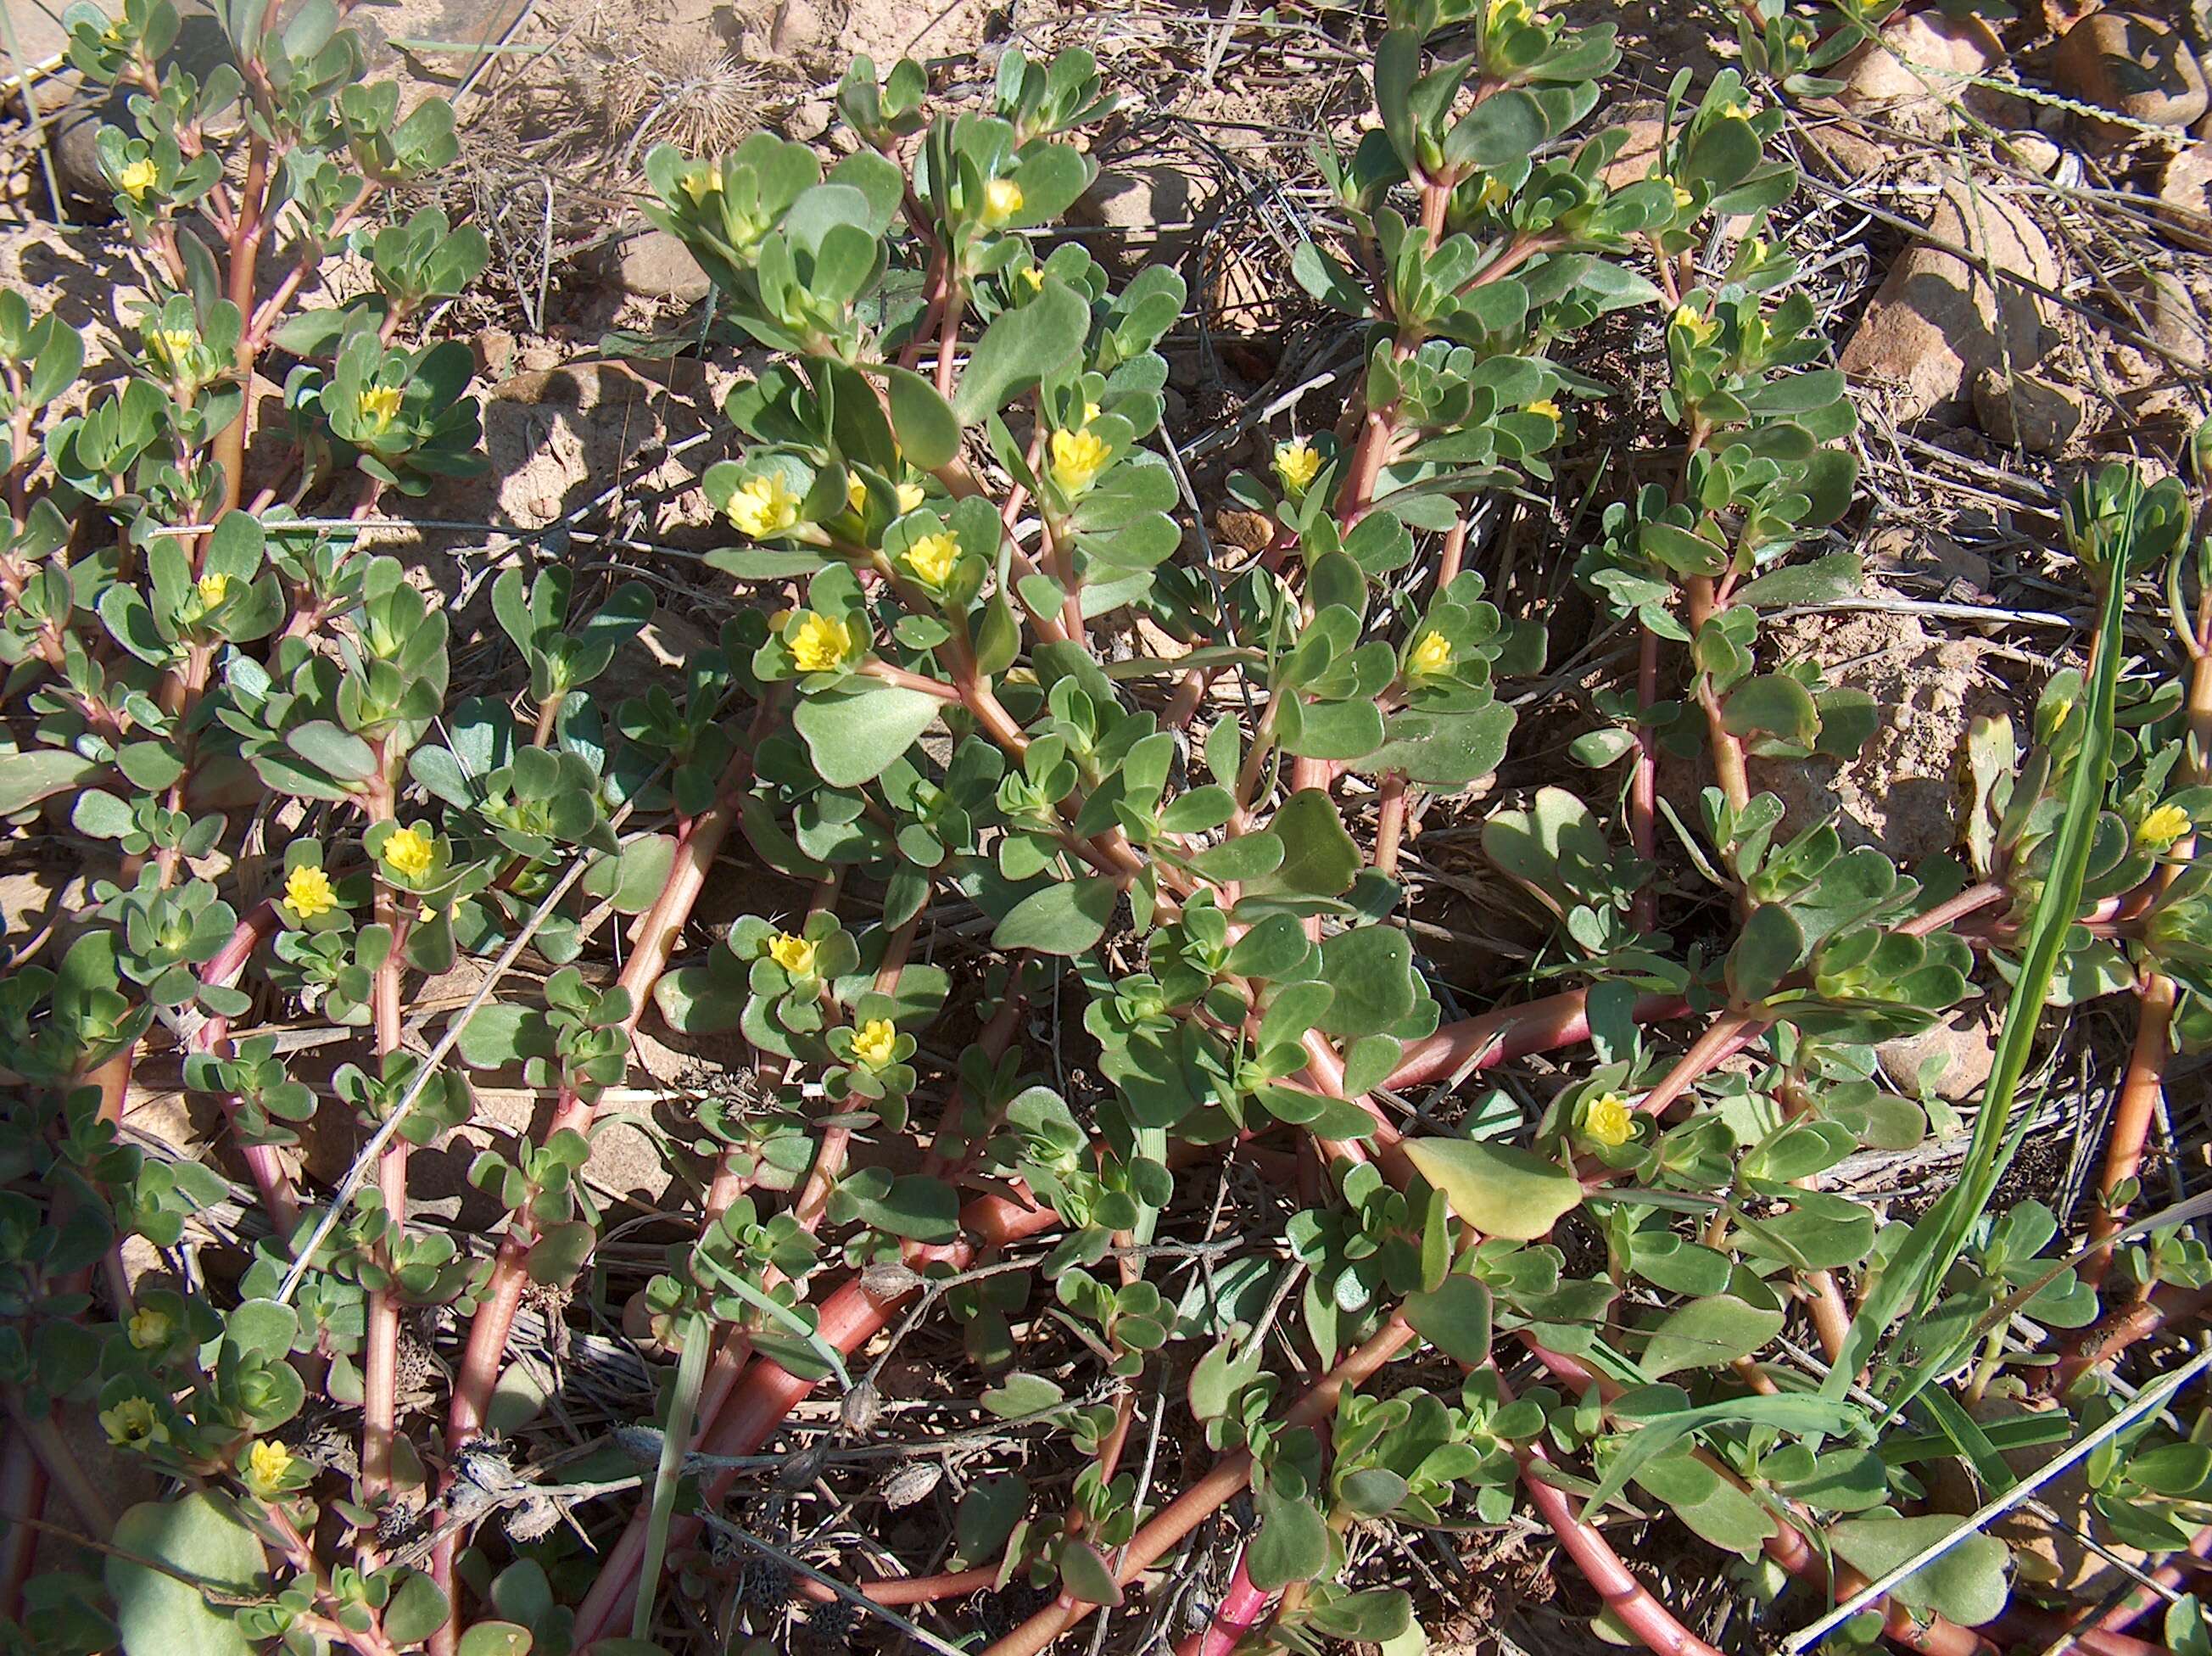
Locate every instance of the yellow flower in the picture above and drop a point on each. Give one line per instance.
(2162, 827)
(1682, 198)
(1431, 656)
(793, 953)
(932, 558)
(1034, 275)
(763, 506)
(1002, 199)
(1296, 464)
(817, 643)
(1695, 324)
(875, 1043)
(1546, 407)
(133, 1421)
(1492, 196)
(407, 851)
(1734, 109)
(856, 493)
(1607, 1120)
(172, 344)
(212, 589)
(266, 1463)
(307, 889)
(911, 495)
(1077, 457)
(138, 177)
(378, 404)
(1509, 11)
(706, 181)
(149, 1328)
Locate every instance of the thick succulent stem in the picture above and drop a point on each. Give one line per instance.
(1729, 766)
(849, 1317)
(1188, 1510)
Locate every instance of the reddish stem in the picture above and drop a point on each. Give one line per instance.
(22, 1496)
(1644, 783)
(849, 1316)
(1728, 750)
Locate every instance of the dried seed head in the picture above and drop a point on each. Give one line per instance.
(722, 1550)
(489, 1463)
(911, 1482)
(888, 1279)
(764, 1583)
(532, 1520)
(641, 1443)
(831, 1621)
(800, 1469)
(397, 1525)
(857, 1410)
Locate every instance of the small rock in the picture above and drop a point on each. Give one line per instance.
(70, 133)
(1919, 66)
(800, 27)
(2035, 152)
(1854, 157)
(1152, 208)
(2175, 309)
(810, 120)
(1936, 321)
(1632, 163)
(1958, 1055)
(656, 265)
(2184, 195)
(494, 352)
(2038, 415)
(2133, 65)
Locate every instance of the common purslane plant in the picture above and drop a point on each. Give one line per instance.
(985, 672)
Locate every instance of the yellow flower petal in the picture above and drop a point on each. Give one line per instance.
(2162, 827)
(818, 643)
(1296, 464)
(1609, 1120)
(308, 889)
(149, 1328)
(1433, 654)
(875, 1041)
(378, 404)
(1002, 199)
(1077, 457)
(792, 953)
(266, 1463)
(138, 177)
(932, 558)
(764, 505)
(407, 851)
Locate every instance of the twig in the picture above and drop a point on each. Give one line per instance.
(2152, 1400)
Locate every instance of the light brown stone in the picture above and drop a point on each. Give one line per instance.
(2133, 65)
(1965, 1043)
(2039, 415)
(657, 265)
(1917, 67)
(1937, 320)
(2184, 195)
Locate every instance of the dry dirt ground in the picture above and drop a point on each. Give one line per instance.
(1983, 397)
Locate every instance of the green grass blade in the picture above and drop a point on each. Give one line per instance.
(783, 1314)
(1912, 1277)
(675, 1438)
